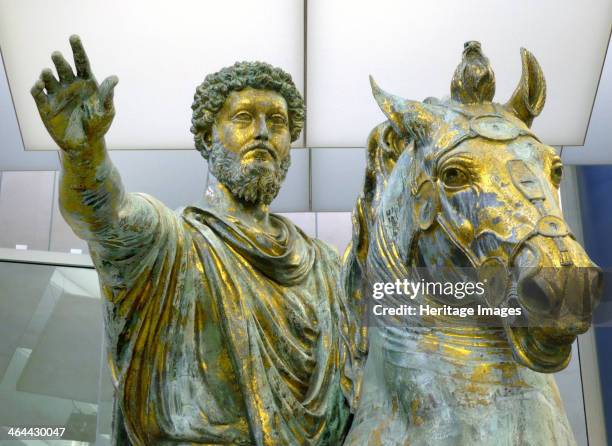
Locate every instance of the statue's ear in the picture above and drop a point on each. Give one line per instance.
(207, 138)
(411, 119)
(529, 97)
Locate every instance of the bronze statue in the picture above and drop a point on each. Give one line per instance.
(224, 323)
(463, 187)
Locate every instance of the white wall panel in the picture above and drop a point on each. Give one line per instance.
(293, 195)
(335, 228)
(337, 178)
(25, 209)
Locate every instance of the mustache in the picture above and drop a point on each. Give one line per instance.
(259, 145)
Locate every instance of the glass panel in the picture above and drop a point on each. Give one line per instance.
(50, 351)
(25, 209)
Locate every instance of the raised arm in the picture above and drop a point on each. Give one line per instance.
(78, 112)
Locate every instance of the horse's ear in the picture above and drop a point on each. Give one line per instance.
(529, 97)
(411, 119)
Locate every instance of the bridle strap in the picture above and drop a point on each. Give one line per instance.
(547, 225)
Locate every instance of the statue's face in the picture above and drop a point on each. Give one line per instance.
(254, 124)
(250, 144)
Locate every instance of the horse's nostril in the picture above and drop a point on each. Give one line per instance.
(532, 296)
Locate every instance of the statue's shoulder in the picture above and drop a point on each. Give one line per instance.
(328, 251)
(328, 254)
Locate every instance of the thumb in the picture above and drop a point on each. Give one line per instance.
(106, 92)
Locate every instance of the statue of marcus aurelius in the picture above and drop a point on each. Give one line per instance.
(224, 322)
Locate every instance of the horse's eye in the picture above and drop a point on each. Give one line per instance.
(455, 177)
(556, 174)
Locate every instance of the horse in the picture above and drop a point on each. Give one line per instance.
(461, 189)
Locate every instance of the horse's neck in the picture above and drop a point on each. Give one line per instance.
(455, 363)
(460, 386)
(459, 346)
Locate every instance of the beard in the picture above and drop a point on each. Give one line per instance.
(254, 182)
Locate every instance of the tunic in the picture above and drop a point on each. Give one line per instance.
(218, 333)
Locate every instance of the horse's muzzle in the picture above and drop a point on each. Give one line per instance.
(562, 297)
(558, 287)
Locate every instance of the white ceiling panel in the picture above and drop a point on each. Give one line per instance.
(597, 148)
(160, 50)
(412, 48)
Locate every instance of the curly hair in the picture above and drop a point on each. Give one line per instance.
(212, 93)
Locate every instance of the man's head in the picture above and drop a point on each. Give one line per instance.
(244, 120)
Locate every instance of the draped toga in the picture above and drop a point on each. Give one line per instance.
(218, 333)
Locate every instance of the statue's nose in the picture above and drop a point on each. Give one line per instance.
(262, 132)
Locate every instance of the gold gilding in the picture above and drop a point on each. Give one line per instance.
(223, 322)
(473, 187)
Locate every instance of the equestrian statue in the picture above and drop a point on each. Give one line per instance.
(461, 190)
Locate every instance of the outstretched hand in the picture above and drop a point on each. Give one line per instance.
(76, 111)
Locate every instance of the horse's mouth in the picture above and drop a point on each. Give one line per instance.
(537, 351)
(539, 346)
(557, 306)
(537, 342)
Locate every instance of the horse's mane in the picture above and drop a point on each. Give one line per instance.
(383, 149)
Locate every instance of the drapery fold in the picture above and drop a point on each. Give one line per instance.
(225, 334)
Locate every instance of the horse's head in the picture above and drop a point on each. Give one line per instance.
(471, 185)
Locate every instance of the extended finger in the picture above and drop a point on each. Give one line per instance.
(39, 95)
(81, 60)
(107, 89)
(64, 70)
(51, 84)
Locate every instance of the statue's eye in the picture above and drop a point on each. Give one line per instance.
(242, 117)
(556, 174)
(278, 120)
(455, 177)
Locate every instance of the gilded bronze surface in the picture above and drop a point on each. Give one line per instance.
(224, 322)
(461, 184)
